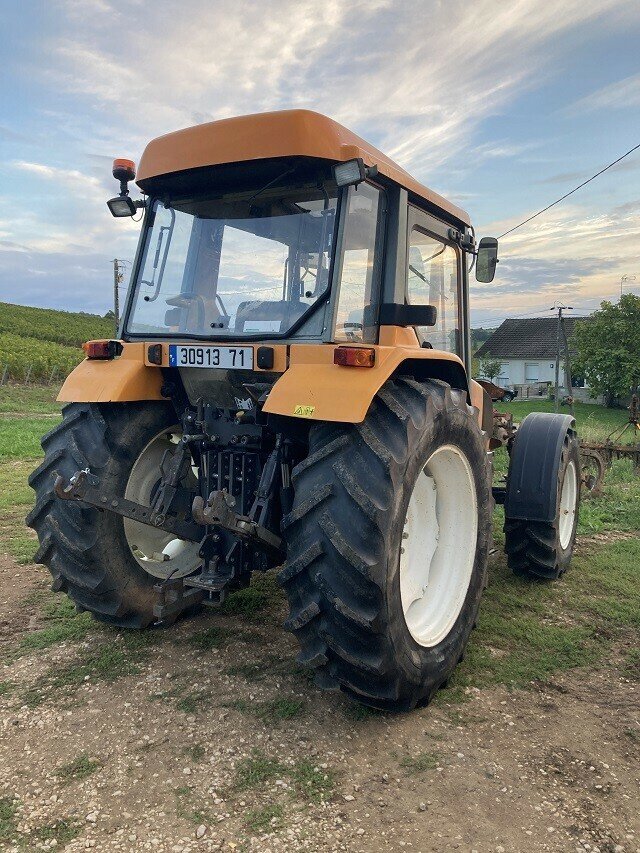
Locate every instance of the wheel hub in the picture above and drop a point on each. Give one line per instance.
(568, 503)
(159, 553)
(438, 546)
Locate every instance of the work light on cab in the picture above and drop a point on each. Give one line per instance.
(353, 172)
(122, 204)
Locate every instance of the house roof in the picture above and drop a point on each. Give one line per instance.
(532, 338)
(286, 133)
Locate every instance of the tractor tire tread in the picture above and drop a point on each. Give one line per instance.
(336, 534)
(72, 543)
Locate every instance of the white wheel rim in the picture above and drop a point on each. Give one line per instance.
(438, 546)
(568, 501)
(159, 553)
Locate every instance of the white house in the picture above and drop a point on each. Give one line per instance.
(527, 350)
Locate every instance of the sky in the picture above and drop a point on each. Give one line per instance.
(500, 106)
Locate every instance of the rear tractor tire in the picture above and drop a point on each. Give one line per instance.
(387, 545)
(106, 564)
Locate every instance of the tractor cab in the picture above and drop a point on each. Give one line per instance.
(287, 240)
(286, 228)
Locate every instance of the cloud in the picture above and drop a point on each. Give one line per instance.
(63, 176)
(622, 94)
(538, 275)
(416, 79)
(500, 149)
(379, 66)
(568, 178)
(70, 281)
(570, 254)
(8, 134)
(627, 207)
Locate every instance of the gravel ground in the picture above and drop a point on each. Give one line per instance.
(214, 740)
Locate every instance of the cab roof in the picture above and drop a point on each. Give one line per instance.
(287, 133)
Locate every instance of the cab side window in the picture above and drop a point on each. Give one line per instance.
(432, 279)
(359, 269)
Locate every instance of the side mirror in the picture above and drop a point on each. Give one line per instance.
(486, 259)
(394, 314)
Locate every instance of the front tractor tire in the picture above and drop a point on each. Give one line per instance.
(387, 544)
(106, 564)
(539, 545)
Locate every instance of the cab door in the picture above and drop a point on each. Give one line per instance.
(435, 275)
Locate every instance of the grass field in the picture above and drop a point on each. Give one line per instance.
(594, 422)
(212, 724)
(619, 507)
(526, 631)
(68, 328)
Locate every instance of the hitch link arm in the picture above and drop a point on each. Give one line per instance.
(85, 486)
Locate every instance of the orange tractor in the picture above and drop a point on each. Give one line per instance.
(290, 388)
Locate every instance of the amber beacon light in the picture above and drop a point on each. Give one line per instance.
(123, 205)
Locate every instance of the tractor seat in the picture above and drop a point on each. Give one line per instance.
(282, 311)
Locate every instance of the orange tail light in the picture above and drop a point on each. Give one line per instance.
(354, 356)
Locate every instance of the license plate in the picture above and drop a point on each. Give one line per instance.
(227, 358)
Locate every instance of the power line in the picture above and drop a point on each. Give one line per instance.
(529, 315)
(566, 195)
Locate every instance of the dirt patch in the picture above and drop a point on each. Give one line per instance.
(19, 588)
(604, 538)
(218, 742)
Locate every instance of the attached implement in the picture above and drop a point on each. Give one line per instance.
(290, 388)
(598, 456)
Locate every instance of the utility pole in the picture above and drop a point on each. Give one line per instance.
(567, 368)
(118, 275)
(559, 331)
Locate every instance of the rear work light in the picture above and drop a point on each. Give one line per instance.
(353, 172)
(354, 356)
(122, 205)
(102, 349)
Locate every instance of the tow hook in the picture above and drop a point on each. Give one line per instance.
(75, 486)
(218, 511)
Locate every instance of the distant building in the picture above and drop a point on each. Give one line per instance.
(527, 351)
